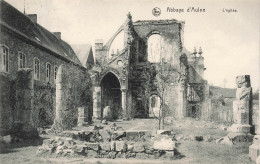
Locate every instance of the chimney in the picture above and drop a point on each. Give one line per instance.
(58, 35)
(32, 17)
(98, 44)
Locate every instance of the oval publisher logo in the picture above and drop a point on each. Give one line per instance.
(156, 11)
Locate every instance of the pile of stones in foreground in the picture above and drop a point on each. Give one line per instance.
(121, 144)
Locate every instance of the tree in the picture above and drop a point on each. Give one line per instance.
(161, 76)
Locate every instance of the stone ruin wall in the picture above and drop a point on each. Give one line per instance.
(43, 101)
(141, 85)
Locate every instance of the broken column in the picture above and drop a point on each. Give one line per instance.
(82, 116)
(97, 102)
(24, 104)
(242, 106)
(124, 102)
(61, 98)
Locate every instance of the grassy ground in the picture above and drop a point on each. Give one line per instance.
(192, 151)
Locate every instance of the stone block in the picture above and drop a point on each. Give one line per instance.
(120, 145)
(105, 135)
(254, 151)
(164, 144)
(130, 147)
(138, 147)
(239, 128)
(93, 146)
(105, 146)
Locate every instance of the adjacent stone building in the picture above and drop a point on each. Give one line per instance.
(26, 44)
(144, 67)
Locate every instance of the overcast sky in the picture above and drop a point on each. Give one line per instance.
(230, 41)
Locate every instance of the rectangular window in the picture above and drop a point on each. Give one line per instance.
(48, 72)
(4, 62)
(36, 69)
(21, 60)
(55, 73)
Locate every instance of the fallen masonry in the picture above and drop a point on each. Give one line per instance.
(68, 147)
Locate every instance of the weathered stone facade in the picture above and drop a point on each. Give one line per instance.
(130, 74)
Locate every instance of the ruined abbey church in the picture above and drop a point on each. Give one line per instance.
(143, 70)
(144, 67)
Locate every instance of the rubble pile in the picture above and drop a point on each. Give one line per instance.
(117, 144)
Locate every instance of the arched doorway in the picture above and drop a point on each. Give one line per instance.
(111, 94)
(154, 106)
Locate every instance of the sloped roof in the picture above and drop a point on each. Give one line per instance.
(84, 53)
(226, 92)
(18, 22)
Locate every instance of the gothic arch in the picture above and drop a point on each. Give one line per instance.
(114, 72)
